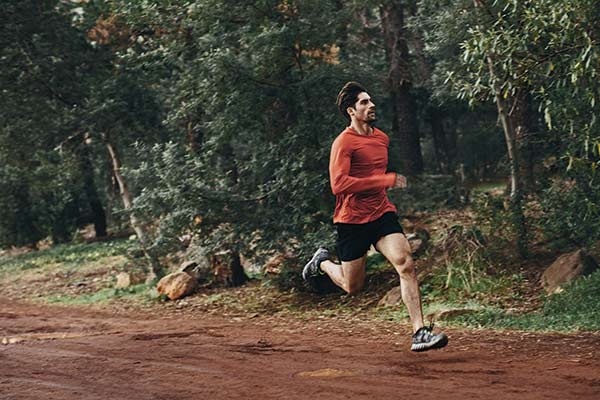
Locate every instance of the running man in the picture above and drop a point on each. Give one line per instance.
(364, 216)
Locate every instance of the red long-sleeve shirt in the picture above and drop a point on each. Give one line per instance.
(357, 171)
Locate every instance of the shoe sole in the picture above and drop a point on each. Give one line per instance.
(305, 271)
(441, 341)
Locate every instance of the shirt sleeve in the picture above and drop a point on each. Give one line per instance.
(343, 183)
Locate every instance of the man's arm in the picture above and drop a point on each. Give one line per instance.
(342, 182)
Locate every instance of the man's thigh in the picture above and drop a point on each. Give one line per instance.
(394, 247)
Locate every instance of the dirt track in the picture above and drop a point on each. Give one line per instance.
(74, 353)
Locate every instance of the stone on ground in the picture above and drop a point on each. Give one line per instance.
(126, 279)
(392, 298)
(566, 268)
(123, 280)
(176, 285)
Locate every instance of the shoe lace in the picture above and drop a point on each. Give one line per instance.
(426, 331)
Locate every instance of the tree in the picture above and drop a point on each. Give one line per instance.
(43, 68)
(256, 86)
(405, 126)
(516, 54)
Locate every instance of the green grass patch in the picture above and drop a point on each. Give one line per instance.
(575, 309)
(69, 256)
(488, 187)
(103, 296)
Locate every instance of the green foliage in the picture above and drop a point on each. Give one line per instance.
(493, 217)
(39, 86)
(250, 105)
(577, 308)
(571, 208)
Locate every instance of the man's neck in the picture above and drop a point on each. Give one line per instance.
(361, 127)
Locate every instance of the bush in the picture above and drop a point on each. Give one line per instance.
(571, 209)
(467, 269)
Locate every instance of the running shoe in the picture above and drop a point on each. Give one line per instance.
(312, 270)
(424, 339)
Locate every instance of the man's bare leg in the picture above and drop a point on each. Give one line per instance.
(350, 275)
(396, 249)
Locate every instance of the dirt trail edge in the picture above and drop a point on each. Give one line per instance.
(50, 352)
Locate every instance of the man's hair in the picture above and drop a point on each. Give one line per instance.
(348, 97)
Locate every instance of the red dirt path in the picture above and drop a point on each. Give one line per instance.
(77, 353)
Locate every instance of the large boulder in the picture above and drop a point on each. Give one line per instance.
(418, 237)
(566, 268)
(176, 285)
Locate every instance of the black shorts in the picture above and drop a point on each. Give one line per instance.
(354, 240)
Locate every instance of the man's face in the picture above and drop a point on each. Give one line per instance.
(364, 109)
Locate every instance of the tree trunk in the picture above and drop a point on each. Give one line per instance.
(156, 270)
(238, 276)
(516, 189)
(404, 125)
(521, 121)
(87, 170)
(440, 141)
(229, 165)
(510, 136)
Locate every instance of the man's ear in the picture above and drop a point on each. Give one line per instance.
(350, 111)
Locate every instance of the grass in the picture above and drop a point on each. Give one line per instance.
(577, 308)
(66, 272)
(103, 296)
(68, 256)
(489, 187)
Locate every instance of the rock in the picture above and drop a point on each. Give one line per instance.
(126, 279)
(417, 246)
(392, 298)
(251, 264)
(418, 240)
(566, 268)
(274, 264)
(123, 280)
(191, 268)
(176, 285)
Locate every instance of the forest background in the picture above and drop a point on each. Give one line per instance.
(210, 122)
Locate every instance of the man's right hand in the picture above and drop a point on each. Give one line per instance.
(400, 182)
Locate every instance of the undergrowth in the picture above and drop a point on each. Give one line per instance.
(576, 308)
(466, 277)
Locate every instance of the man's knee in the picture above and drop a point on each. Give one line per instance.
(403, 263)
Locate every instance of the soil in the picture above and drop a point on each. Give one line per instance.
(57, 352)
